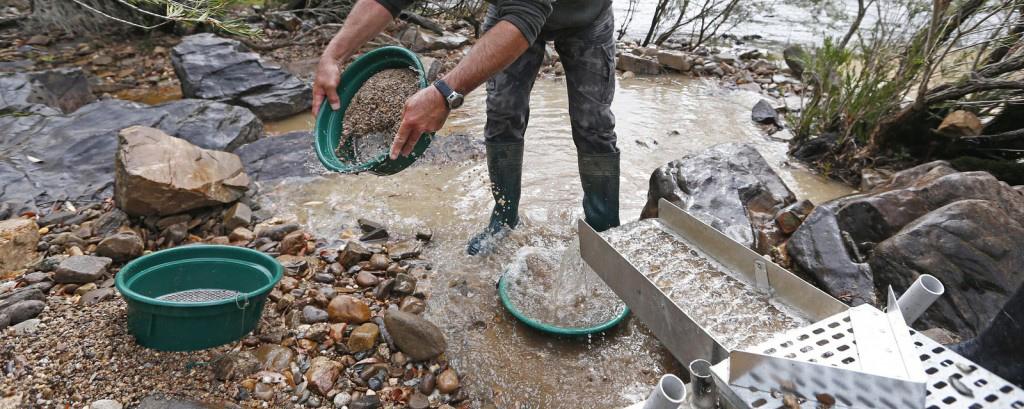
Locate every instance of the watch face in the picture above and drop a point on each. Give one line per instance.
(455, 101)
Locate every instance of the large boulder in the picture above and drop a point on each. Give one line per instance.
(18, 241)
(65, 89)
(729, 186)
(158, 174)
(973, 247)
(76, 150)
(818, 249)
(221, 69)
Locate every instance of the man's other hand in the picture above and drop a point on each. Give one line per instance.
(424, 112)
(326, 84)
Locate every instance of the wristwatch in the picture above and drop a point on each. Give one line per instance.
(452, 99)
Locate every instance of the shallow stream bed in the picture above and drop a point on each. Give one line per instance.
(503, 361)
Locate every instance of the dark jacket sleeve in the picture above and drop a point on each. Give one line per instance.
(395, 6)
(528, 16)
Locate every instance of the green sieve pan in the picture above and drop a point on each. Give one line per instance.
(327, 134)
(197, 296)
(552, 329)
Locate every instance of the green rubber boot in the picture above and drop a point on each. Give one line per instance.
(505, 168)
(600, 176)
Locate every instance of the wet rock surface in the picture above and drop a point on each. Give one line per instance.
(65, 89)
(87, 138)
(224, 70)
(730, 186)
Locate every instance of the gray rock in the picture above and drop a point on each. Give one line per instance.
(121, 246)
(676, 60)
(157, 174)
(312, 315)
(81, 269)
(817, 249)
(764, 113)
(278, 231)
(109, 222)
(729, 186)
(55, 218)
(224, 70)
(637, 64)
(239, 215)
(35, 277)
(414, 335)
(795, 57)
(420, 40)
(26, 327)
(106, 404)
(365, 402)
(88, 139)
(24, 310)
(64, 89)
(957, 244)
(19, 295)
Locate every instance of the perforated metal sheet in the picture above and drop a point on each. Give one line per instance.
(199, 295)
(831, 342)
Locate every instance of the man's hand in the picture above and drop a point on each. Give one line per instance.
(326, 84)
(425, 111)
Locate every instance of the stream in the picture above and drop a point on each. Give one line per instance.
(659, 119)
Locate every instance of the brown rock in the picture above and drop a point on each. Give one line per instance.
(366, 279)
(415, 336)
(241, 234)
(960, 123)
(347, 309)
(274, 357)
(121, 246)
(353, 253)
(337, 331)
(412, 305)
(379, 262)
(18, 241)
(322, 374)
(448, 381)
(363, 338)
(294, 243)
(158, 174)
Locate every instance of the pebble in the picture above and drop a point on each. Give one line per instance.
(448, 381)
(121, 246)
(404, 250)
(277, 232)
(353, 253)
(427, 384)
(263, 391)
(375, 235)
(347, 309)
(424, 235)
(379, 262)
(26, 327)
(418, 401)
(404, 284)
(366, 402)
(415, 336)
(274, 357)
(294, 243)
(412, 305)
(311, 315)
(366, 279)
(322, 374)
(238, 216)
(241, 234)
(363, 338)
(342, 399)
(106, 404)
(325, 278)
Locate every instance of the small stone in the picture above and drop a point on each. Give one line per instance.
(426, 385)
(788, 222)
(404, 250)
(26, 327)
(399, 359)
(220, 240)
(81, 269)
(263, 391)
(366, 402)
(38, 39)
(337, 331)
(322, 374)
(241, 234)
(96, 296)
(342, 400)
(363, 338)
(448, 381)
(347, 309)
(239, 215)
(379, 262)
(366, 279)
(106, 404)
(24, 310)
(424, 235)
(415, 336)
(35, 277)
(412, 305)
(277, 232)
(236, 365)
(418, 401)
(55, 218)
(274, 357)
(121, 246)
(176, 233)
(325, 278)
(311, 315)
(404, 284)
(353, 253)
(109, 222)
(376, 235)
(294, 243)
(368, 225)
(764, 113)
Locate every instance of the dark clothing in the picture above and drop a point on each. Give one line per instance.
(533, 16)
(588, 56)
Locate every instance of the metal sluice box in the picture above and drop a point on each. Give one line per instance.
(899, 370)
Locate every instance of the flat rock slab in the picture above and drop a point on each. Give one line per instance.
(65, 89)
(18, 241)
(81, 269)
(221, 69)
(76, 150)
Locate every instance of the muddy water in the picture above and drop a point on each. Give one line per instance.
(503, 362)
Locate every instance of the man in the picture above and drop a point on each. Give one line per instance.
(508, 56)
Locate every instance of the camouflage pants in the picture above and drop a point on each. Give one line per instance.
(588, 57)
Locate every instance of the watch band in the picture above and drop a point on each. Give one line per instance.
(446, 92)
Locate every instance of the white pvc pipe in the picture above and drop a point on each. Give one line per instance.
(921, 294)
(669, 393)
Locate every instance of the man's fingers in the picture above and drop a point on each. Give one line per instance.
(318, 98)
(332, 97)
(404, 131)
(410, 143)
